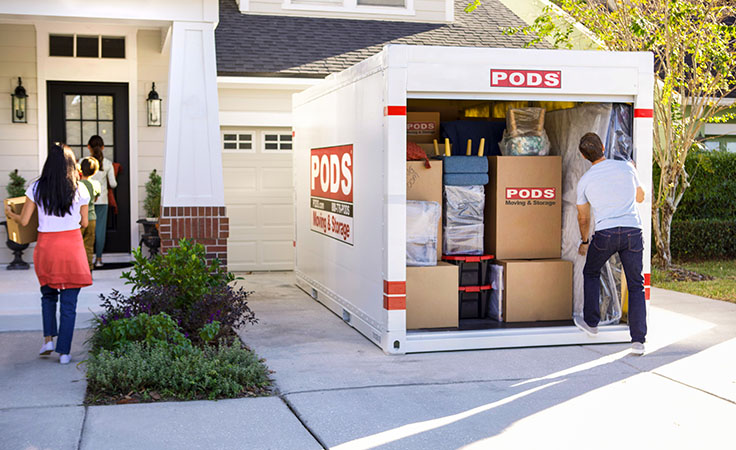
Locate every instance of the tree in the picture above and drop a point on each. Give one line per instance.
(17, 185)
(693, 43)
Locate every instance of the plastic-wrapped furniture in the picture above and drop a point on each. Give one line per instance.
(421, 232)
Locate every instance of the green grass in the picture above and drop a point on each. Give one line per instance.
(722, 288)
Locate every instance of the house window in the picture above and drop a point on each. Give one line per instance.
(712, 145)
(731, 146)
(356, 6)
(238, 141)
(87, 46)
(274, 141)
(395, 3)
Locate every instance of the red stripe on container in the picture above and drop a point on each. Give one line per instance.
(293, 243)
(641, 112)
(396, 303)
(474, 288)
(394, 111)
(647, 279)
(394, 287)
(293, 133)
(647, 292)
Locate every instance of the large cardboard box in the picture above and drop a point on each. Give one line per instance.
(426, 185)
(523, 217)
(422, 126)
(535, 290)
(431, 296)
(16, 232)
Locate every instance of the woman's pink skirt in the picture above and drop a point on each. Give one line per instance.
(60, 260)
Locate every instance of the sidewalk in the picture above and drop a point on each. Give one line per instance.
(338, 390)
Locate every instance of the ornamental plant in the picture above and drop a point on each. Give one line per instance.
(152, 202)
(17, 185)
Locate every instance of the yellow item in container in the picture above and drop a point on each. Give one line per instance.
(500, 108)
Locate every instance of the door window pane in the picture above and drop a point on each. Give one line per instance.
(73, 133)
(104, 107)
(61, 45)
(89, 107)
(88, 46)
(113, 47)
(109, 153)
(89, 129)
(72, 107)
(105, 131)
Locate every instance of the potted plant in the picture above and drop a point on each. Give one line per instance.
(16, 188)
(152, 208)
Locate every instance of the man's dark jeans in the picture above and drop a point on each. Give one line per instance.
(628, 243)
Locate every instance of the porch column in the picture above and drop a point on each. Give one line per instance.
(193, 203)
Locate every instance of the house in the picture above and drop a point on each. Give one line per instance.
(226, 71)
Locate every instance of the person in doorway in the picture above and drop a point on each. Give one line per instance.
(610, 189)
(88, 168)
(106, 177)
(59, 258)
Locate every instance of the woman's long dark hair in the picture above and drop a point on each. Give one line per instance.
(57, 185)
(96, 144)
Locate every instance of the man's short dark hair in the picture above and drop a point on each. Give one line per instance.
(591, 147)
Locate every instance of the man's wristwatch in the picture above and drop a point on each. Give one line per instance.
(585, 242)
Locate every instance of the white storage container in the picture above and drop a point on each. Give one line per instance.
(350, 174)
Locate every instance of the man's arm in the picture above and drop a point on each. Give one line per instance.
(584, 224)
(640, 194)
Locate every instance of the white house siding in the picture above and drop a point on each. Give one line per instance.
(424, 11)
(153, 67)
(18, 141)
(258, 184)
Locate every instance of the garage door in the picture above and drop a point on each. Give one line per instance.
(259, 198)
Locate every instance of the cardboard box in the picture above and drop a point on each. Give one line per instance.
(431, 296)
(422, 126)
(535, 290)
(426, 185)
(523, 217)
(16, 232)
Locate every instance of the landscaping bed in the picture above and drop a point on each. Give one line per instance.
(174, 337)
(713, 279)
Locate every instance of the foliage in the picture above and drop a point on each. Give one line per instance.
(712, 191)
(156, 329)
(723, 287)
(17, 185)
(692, 42)
(209, 332)
(703, 239)
(192, 373)
(152, 202)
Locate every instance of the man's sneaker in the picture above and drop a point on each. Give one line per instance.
(580, 323)
(47, 348)
(65, 359)
(637, 348)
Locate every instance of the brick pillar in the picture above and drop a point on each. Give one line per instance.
(207, 225)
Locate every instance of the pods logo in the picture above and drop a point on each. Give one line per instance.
(551, 79)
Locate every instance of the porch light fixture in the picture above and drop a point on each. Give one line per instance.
(18, 108)
(153, 103)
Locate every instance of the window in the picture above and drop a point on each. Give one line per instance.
(398, 3)
(85, 116)
(238, 141)
(86, 46)
(712, 145)
(277, 141)
(389, 7)
(731, 146)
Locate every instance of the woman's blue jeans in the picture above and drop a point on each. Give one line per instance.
(67, 315)
(628, 243)
(100, 229)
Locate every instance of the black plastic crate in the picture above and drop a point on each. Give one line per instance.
(473, 269)
(473, 301)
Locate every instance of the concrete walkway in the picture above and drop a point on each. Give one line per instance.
(338, 390)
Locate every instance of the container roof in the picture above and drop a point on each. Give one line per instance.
(289, 46)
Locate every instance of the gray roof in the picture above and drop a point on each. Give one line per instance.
(261, 45)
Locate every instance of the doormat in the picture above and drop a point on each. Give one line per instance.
(113, 266)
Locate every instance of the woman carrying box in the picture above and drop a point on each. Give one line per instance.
(59, 258)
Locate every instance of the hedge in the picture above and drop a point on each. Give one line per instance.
(703, 239)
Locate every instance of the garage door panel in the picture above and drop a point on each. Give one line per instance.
(243, 252)
(277, 215)
(243, 179)
(273, 178)
(277, 252)
(242, 216)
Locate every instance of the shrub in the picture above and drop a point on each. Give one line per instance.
(156, 329)
(152, 202)
(17, 185)
(192, 373)
(703, 239)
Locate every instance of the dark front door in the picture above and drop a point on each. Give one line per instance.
(77, 111)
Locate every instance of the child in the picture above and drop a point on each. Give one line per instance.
(89, 167)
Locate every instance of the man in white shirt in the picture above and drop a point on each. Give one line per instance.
(611, 190)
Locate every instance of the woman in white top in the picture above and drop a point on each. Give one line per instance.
(106, 177)
(59, 258)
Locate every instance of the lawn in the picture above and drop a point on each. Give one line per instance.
(722, 287)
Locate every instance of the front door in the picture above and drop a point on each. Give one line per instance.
(77, 111)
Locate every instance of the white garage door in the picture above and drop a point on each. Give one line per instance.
(259, 198)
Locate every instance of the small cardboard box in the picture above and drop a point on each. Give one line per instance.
(534, 290)
(431, 296)
(16, 232)
(523, 216)
(422, 126)
(426, 185)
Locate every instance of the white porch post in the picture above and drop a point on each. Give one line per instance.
(193, 204)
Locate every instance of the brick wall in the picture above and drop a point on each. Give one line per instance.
(207, 225)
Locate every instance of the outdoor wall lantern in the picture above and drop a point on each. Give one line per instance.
(153, 103)
(18, 108)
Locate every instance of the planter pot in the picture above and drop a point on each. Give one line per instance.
(17, 249)
(150, 237)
